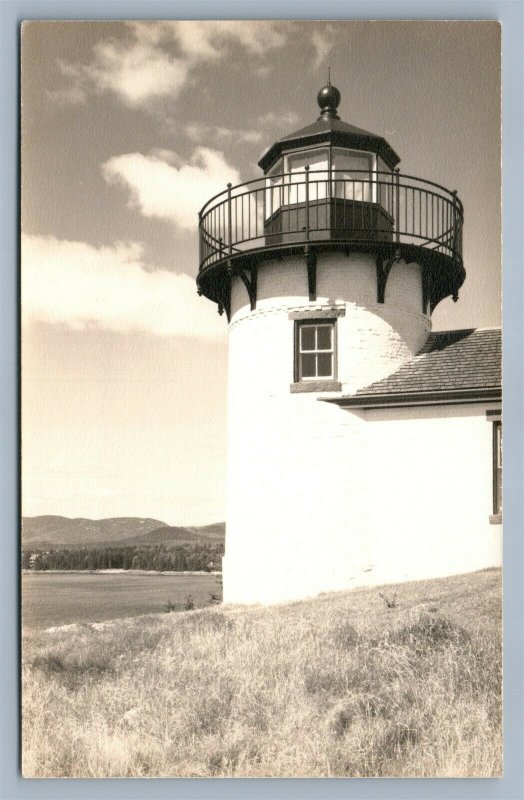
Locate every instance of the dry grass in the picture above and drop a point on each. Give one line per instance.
(337, 686)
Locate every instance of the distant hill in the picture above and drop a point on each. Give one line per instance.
(167, 534)
(55, 531)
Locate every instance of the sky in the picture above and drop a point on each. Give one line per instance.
(127, 129)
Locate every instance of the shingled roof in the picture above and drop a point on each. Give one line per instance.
(453, 366)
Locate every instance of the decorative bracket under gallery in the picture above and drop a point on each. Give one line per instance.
(426, 288)
(311, 264)
(249, 281)
(384, 266)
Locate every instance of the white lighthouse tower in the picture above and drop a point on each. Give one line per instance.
(328, 269)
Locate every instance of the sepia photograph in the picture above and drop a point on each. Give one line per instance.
(261, 399)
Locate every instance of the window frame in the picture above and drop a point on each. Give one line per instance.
(494, 417)
(315, 384)
(315, 324)
(497, 468)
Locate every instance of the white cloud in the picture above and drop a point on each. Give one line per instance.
(284, 119)
(144, 66)
(163, 187)
(80, 286)
(323, 43)
(136, 73)
(257, 36)
(197, 133)
(206, 39)
(264, 70)
(70, 95)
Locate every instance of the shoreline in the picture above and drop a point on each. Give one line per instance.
(116, 572)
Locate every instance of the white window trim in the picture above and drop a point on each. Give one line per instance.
(313, 316)
(494, 417)
(331, 351)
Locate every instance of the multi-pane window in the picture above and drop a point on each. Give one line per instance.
(316, 351)
(497, 467)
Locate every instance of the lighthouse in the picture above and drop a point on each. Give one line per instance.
(327, 268)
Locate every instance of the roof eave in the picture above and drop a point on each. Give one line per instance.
(420, 398)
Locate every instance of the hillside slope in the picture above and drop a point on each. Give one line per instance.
(341, 685)
(56, 531)
(170, 534)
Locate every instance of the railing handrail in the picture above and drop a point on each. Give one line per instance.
(355, 181)
(327, 171)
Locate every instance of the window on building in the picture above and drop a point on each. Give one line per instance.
(315, 356)
(497, 467)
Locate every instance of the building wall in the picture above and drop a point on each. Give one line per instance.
(430, 491)
(316, 494)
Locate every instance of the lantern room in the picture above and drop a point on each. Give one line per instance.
(331, 187)
(344, 176)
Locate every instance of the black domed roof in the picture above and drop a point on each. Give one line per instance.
(330, 129)
(329, 100)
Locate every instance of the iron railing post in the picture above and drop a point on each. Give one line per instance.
(307, 201)
(454, 223)
(229, 220)
(200, 244)
(397, 205)
(264, 206)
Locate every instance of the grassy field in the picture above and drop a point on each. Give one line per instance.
(337, 686)
(50, 599)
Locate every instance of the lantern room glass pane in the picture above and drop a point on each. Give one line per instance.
(274, 190)
(352, 175)
(382, 167)
(317, 161)
(385, 186)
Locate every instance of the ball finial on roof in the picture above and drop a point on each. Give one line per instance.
(328, 99)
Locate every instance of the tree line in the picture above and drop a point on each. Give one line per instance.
(190, 557)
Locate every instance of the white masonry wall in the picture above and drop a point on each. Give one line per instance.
(430, 491)
(302, 515)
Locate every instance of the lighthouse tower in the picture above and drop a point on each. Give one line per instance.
(328, 269)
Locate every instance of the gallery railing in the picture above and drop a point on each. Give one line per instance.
(291, 208)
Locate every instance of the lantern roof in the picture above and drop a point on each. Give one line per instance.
(330, 129)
